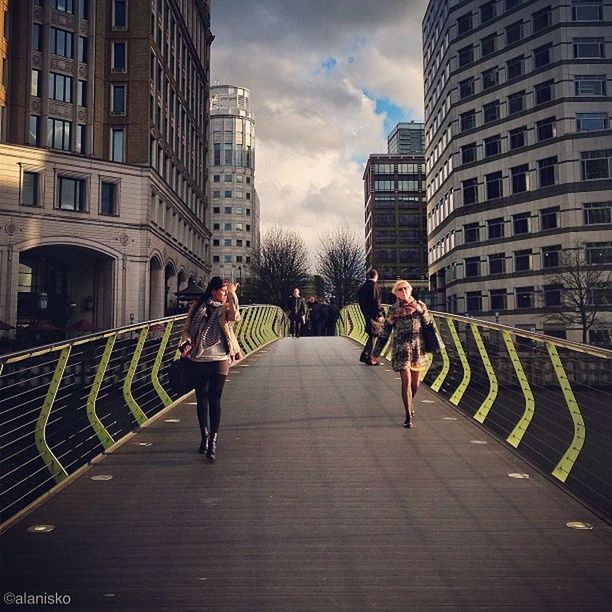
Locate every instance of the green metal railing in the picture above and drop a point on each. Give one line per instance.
(64, 404)
(549, 399)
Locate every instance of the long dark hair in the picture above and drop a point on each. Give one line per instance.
(216, 282)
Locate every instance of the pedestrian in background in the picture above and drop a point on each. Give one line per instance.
(297, 312)
(209, 340)
(408, 357)
(368, 296)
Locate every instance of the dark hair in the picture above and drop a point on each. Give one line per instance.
(216, 282)
(372, 273)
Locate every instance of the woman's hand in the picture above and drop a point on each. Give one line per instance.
(231, 288)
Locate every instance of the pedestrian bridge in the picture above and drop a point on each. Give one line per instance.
(499, 498)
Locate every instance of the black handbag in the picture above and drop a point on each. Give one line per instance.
(180, 376)
(430, 338)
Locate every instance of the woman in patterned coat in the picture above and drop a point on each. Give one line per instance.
(408, 356)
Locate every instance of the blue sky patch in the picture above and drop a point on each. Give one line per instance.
(329, 64)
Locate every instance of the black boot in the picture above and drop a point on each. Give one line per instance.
(211, 452)
(204, 444)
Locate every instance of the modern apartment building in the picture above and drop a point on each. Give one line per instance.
(407, 139)
(103, 141)
(396, 239)
(234, 214)
(518, 155)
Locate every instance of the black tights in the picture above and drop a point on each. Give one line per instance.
(210, 377)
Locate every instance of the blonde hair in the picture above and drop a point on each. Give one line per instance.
(401, 283)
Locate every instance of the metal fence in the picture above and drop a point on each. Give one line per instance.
(549, 399)
(64, 404)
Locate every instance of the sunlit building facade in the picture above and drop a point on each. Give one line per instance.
(103, 141)
(518, 155)
(234, 214)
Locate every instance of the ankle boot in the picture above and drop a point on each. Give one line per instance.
(204, 444)
(211, 452)
(408, 421)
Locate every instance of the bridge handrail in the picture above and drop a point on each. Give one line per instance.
(64, 404)
(546, 397)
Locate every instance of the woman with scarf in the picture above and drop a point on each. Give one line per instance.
(408, 356)
(209, 341)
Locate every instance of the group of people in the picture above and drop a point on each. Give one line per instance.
(209, 342)
(311, 317)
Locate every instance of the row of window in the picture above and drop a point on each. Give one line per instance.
(71, 194)
(232, 210)
(228, 242)
(232, 227)
(229, 178)
(398, 168)
(232, 259)
(595, 165)
(229, 193)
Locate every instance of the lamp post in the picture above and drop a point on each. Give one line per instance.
(240, 282)
(43, 300)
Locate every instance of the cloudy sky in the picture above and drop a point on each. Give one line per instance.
(329, 79)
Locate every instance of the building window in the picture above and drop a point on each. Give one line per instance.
(497, 263)
(35, 84)
(81, 139)
(550, 256)
(524, 297)
(473, 301)
(36, 36)
(118, 99)
(494, 185)
(549, 218)
(552, 295)
(227, 210)
(497, 299)
(464, 24)
(591, 10)
(469, 153)
(66, 6)
(590, 84)
(514, 32)
(589, 47)
(466, 55)
(29, 189)
(516, 102)
(519, 175)
(517, 137)
(591, 122)
(227, 259)
(495, 228)
(227, 242)
(546, 129)
(488, 45)
(119, 14)
(216, 226)
(472, 267)
(34, 133)
(542, 56)
(547, 171)
(60, 42)
(596, 164)
(492, 146)
(84, 9)
(522, 260)
(216, 178)
(60, 87)
(597, 212)
(466, 88)
(468, 120)
(59, 134)
(599, 252)
(117, 144)
(520, 224)
(515, 67)
(227, 193)
(118, 57)
(544, 92)
(71, 194)
(490, 78)
(82, 93)
(471, 233)
(490, 111)
(215, 259)
(83, 50)
(228, 178)
(108, 198)
(227, 227)
(487, 11)
(542, 19)
(470, 191)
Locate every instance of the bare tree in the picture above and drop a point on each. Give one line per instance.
(341, 263)
(584, 289)
(280, 265)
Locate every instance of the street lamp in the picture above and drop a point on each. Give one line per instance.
(240, 282)
(497, 317)
(43, 300)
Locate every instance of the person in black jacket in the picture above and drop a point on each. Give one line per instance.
(297, 312)
(371, 308)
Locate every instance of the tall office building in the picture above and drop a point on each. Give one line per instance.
(518, 154)
(407, 139)
(396, 239)
(234, 205)
(103, 141)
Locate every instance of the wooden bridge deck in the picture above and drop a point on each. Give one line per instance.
(319, 500)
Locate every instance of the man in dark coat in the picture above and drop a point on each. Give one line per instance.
(371, 308)
(297, 312)
(332, 318)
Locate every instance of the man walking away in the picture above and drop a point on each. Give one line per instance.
(297, 312)
(371, 308)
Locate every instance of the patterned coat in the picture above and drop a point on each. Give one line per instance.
(407, 347)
